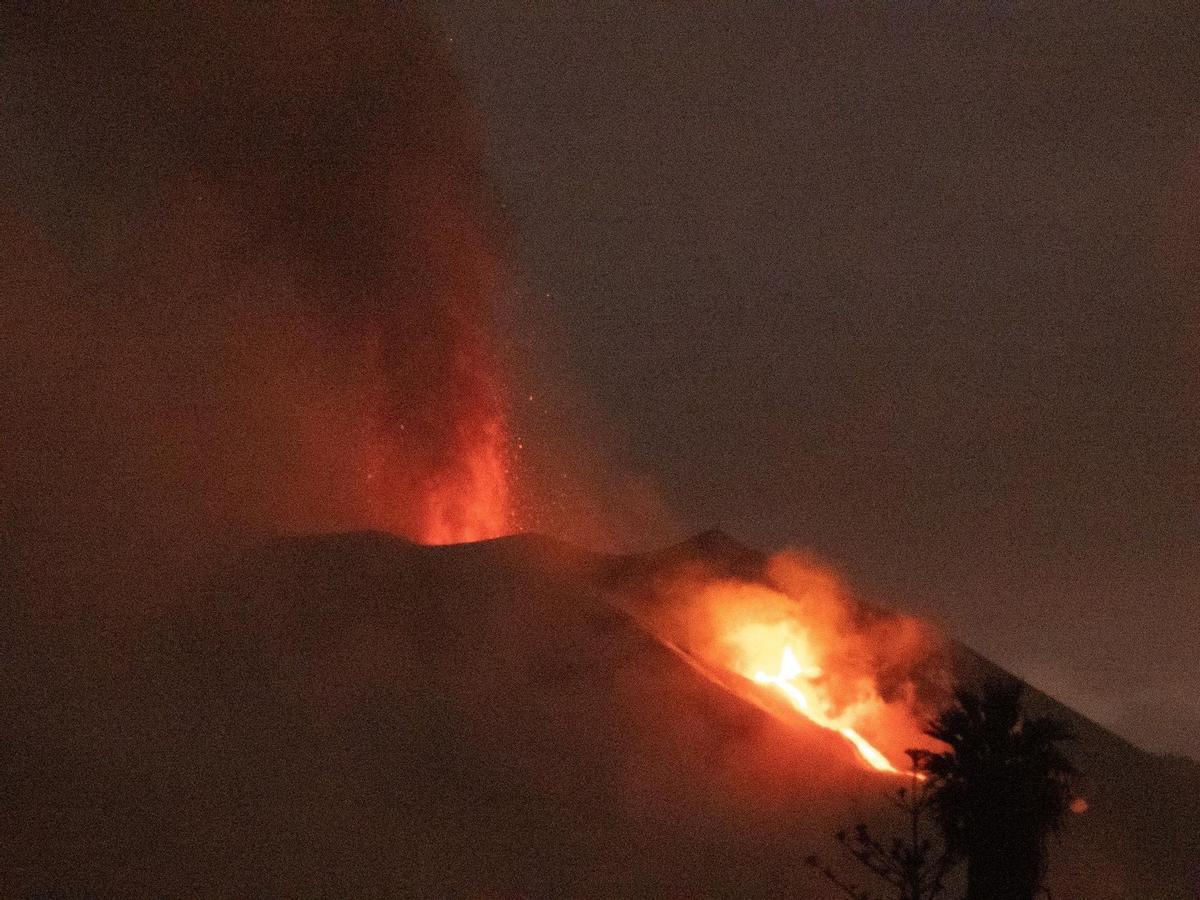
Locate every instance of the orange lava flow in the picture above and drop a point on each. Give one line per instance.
(791, 680)
(800, 647)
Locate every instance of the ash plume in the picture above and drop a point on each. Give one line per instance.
(248, 283)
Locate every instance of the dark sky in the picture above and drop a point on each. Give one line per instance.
(914, 288)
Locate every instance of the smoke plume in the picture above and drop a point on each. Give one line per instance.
(248, 283)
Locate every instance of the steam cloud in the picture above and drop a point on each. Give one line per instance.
(247, 285)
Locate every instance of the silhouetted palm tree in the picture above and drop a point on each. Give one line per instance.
(999, 790)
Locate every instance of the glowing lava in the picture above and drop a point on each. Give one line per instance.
(800, 647)
(469, 500)
(791, 681)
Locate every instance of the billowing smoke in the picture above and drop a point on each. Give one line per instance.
(249, 264)
(794, 639)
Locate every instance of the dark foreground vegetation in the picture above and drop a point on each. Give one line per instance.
(985, 805)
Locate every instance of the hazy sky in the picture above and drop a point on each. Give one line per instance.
(915, 289)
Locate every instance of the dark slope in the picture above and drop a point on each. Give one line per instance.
(1141, 836)
(355, 715)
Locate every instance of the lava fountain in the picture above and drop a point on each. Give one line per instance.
(469, 500)
(270, 305)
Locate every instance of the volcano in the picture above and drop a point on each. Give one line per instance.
(358, 715)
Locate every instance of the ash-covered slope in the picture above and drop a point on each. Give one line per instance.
(355, 715)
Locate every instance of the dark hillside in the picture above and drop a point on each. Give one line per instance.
(356, 715)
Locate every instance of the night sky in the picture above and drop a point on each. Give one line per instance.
(914, 289)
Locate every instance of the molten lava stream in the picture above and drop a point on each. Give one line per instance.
(790, 682)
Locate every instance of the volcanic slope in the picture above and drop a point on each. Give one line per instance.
(355, 715)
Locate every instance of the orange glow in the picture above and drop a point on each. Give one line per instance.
(469, 499)
(794, 682)
(792, 657)
(800, 648)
